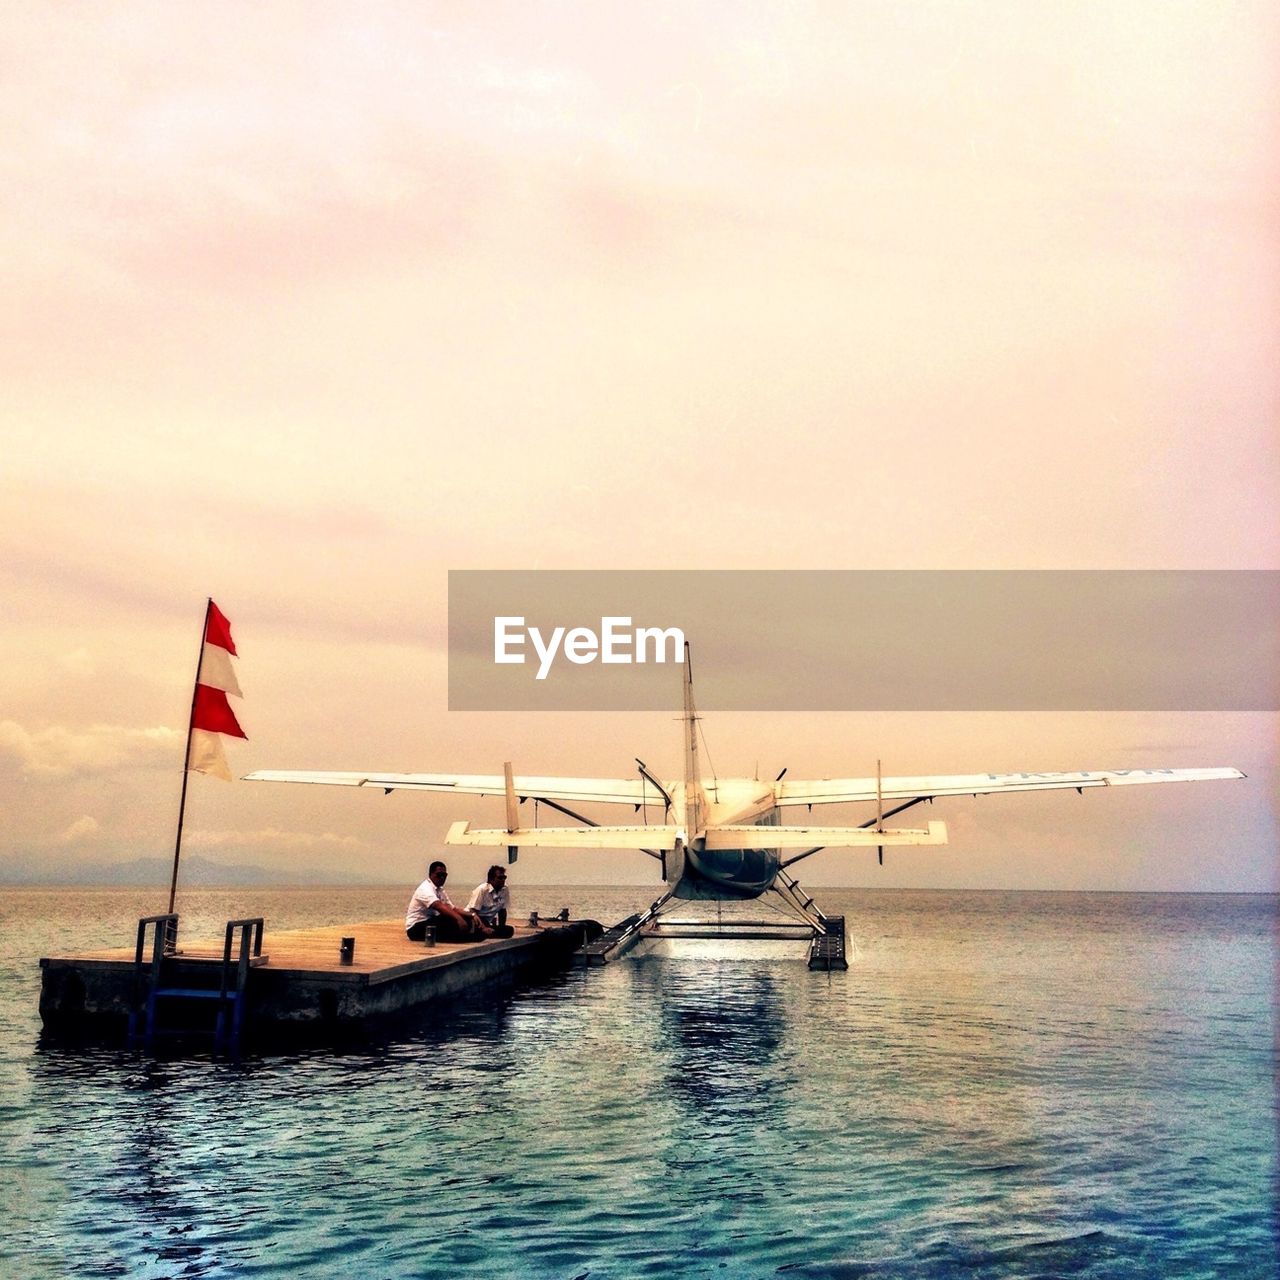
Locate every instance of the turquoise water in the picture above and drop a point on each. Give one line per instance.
(1003, 1084)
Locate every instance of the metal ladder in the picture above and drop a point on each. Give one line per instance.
(787, 887)
(157, 985)
(618, 940)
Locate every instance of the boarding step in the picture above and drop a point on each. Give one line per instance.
(602, 950)
(617, 941)
(827, 950)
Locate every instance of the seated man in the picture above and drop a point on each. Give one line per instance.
(430, 905)
(492, 900)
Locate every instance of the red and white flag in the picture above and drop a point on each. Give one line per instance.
(211, 714)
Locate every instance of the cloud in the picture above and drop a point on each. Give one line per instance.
(272, 839)
(60, 752)
(82, 829)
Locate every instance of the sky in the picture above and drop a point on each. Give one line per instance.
(307, 305)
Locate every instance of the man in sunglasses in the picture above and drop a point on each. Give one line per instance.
(431, 907)
(492, 900)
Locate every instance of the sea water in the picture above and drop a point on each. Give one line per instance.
(1002, 1084)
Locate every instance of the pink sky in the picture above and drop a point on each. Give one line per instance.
(308, 304)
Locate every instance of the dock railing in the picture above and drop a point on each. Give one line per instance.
(250, 931)
(164, 941)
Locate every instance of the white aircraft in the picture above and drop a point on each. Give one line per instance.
(723, 838)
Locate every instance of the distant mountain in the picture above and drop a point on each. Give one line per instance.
(196, 872)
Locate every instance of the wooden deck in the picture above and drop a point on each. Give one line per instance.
(382, 950)
(300, 981)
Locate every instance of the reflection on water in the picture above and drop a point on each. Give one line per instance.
(1003, 1085)
(723, 1022)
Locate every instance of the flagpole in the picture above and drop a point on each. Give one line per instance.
(186, 757)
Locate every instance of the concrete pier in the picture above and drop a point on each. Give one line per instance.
(299, 985)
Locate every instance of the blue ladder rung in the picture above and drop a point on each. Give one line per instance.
(194, 993)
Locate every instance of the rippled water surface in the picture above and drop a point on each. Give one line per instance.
(1001, 1085)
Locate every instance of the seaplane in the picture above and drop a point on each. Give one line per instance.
(722, 839)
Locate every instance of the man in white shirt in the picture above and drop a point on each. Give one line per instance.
(432, 906)
(492, 900)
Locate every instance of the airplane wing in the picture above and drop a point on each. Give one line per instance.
(848, 790)
(631, 791)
